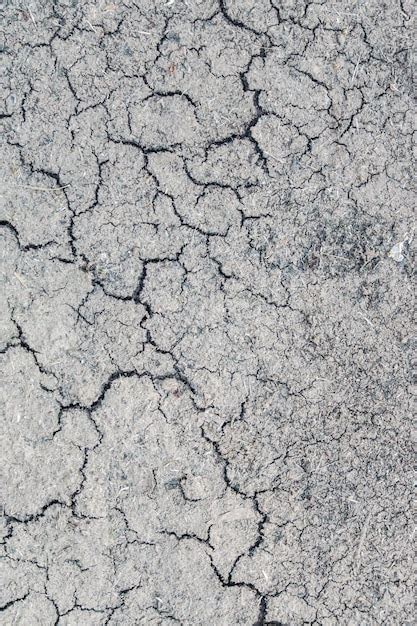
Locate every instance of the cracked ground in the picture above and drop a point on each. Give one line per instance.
(206, 261)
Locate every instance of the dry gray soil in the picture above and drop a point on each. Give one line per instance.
(206, 261)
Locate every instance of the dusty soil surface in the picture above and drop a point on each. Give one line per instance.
(206, 260)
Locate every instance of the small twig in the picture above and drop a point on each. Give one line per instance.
(21, 281)
(274, 157)
(31, 16)
(362, 539)
(42, 188)
(91, 26)
(365, 318)
(354, 72)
